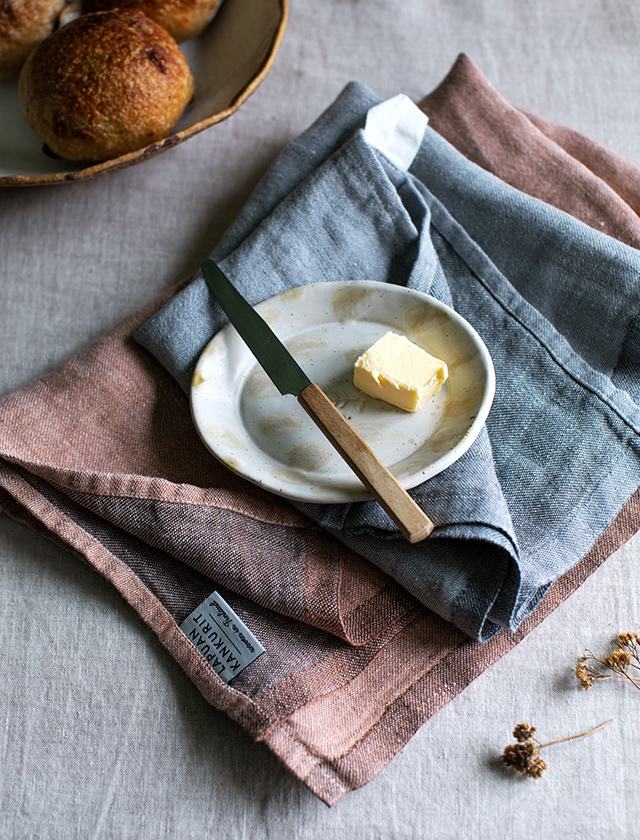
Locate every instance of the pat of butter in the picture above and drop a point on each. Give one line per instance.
(399, 372)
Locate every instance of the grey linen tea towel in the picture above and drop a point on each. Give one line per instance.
(101, 455)
(553, 300)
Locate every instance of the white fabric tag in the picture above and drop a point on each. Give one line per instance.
(396, 127)
(221, 637)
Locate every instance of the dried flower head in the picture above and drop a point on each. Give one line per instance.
(618, 660)
(523, 732)
(524, 757)
(516, 755)
(584, 675)
(535, 768)
(623, 662)
(627, 639)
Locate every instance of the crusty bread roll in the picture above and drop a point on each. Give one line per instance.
(105, 84)
(181, 18)
(23, 25)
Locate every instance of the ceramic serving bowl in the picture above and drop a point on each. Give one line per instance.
(228, 60)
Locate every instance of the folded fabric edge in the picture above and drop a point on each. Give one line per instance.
(614, 170)
(365, 599)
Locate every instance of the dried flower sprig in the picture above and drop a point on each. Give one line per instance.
(623, 658)
(524, 755)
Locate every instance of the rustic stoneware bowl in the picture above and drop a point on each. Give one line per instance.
(228, 60)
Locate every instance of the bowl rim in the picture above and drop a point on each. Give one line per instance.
(122, 161)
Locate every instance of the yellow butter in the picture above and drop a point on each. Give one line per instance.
(399, 372)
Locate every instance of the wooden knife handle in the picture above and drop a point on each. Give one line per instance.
(383, 486)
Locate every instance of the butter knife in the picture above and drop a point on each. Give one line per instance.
(289, 378)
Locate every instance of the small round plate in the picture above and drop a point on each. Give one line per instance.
(269, 439)
(228, 60)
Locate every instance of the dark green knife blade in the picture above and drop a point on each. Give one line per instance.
(289, 378)
(278, 363)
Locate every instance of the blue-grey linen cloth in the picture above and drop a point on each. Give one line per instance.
(555, 302)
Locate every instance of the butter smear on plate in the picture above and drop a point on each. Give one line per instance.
(399, 372)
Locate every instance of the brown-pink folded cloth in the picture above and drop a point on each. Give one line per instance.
(353, 665)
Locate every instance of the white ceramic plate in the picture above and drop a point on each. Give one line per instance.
(228, 61)
(269, 439)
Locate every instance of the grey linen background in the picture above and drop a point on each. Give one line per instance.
(560, 456)
(103, 735)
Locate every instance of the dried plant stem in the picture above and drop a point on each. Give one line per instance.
(579, 735)
(631, 679)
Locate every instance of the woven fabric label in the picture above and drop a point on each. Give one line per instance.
(221, 637)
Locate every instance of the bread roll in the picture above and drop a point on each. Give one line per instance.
(105, 84)
(181, 18)
(23, 25)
